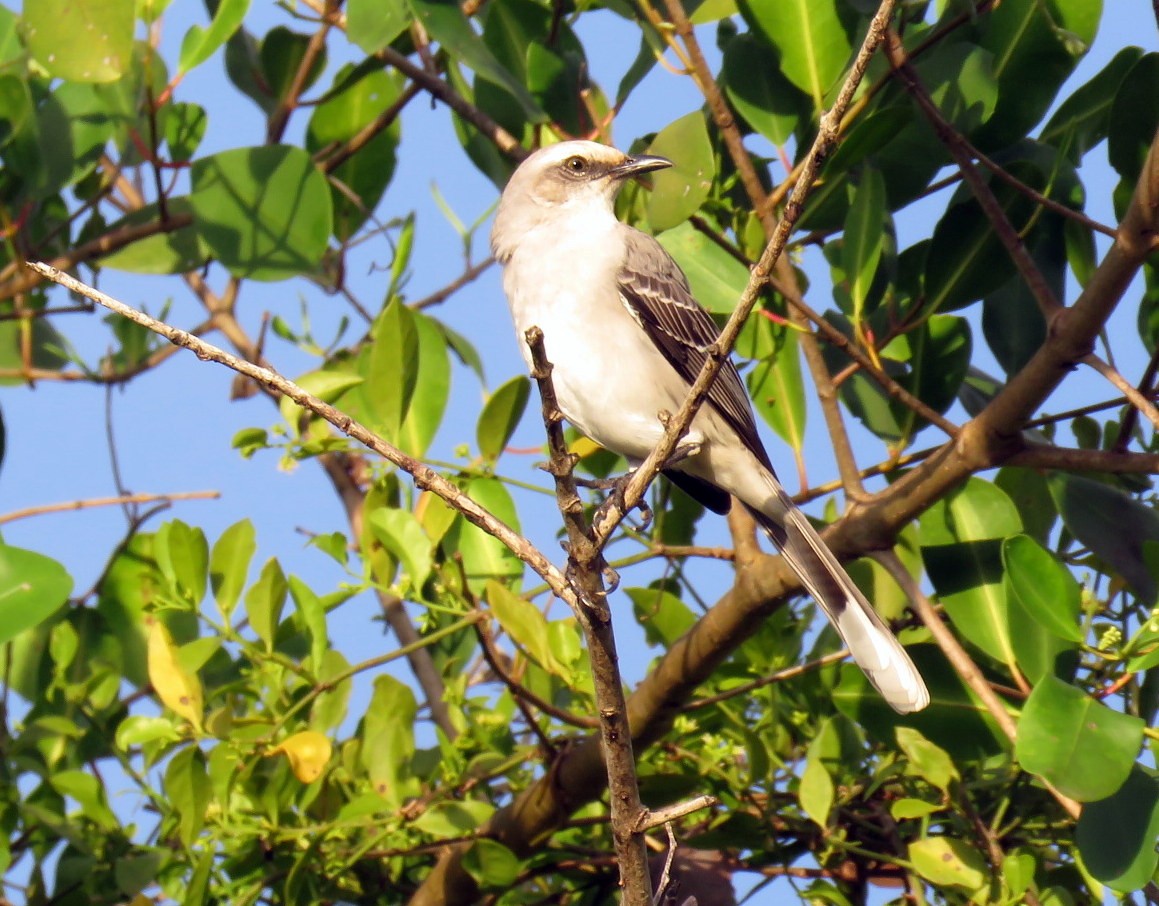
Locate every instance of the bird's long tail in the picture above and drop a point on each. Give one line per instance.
(880, 656)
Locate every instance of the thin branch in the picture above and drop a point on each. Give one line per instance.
(425, 477)
(72, 506)
(280, 117)
(13, 283)
(1137, 399)
(651, 818)
(586, 569)
(470, 275)
(521, 692)
(777, 677)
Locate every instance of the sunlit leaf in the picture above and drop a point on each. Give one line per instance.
(1080, 745)
(308, 753)
(179, 690)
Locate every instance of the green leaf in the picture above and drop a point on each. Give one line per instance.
(81, 42)
(184, 129)
(945, 861)
(229, 565)
(313, 615)
(1134, 117)
(961, 538)
(812, 39)
(1042, 586)
(491, 864)
(815, 791)
(328, 386)
(432, 388)
(864, 237)
(716, 278)
(89, 794)
(1081, 746)
(778, 390)
(358, 98)
(664, 616)
(139, 729)
(373, 25)
(1111, 523)
(1033, 48)
(167, 252)
(960, 80)
(485, 557)
(903, 809)
(388, 739)
(500, 416)
(389, 365)
(454, 819)
(264, 212)
(403, 536)
(929, 761)
(1083, 119)
(526, 626)
(760, 93)
(1116, 836)
(183, 557)
(446, 23)
(199, 44)
(188, 790)
(265, 600)
(679, 191)
(32, 588)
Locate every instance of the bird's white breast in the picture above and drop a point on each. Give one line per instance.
(563, 281)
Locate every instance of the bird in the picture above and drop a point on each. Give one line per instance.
(626, 339)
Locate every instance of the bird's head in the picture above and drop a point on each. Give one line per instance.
(570, 176)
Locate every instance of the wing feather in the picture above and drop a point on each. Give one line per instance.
(657, 296)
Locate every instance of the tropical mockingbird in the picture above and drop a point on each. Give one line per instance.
(626, 339)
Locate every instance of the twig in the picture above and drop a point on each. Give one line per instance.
(1137, 399)
(777, 677)
(650, 818)
(586, 567)
(666, 874)
(522, 693)
(468, 276)
(90, 503)
(425, 477)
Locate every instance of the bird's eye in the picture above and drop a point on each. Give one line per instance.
(576, 165)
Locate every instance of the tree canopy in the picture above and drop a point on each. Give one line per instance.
(927, 224)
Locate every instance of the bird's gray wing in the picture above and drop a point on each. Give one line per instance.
(656, 294)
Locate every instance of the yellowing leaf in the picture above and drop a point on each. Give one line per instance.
(308, 751)
(178, 689)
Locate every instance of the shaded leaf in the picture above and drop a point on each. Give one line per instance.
(1111, 523)
(1117, 835)
(264, 212)
(760, 93)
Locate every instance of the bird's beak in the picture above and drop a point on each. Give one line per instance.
(641, 163)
